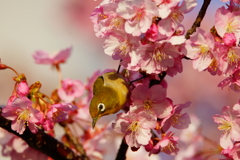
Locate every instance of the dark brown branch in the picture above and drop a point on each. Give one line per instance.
(42, 142)
(199, 18)
(121, 155)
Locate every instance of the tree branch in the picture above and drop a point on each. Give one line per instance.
(42, 142)
(199, 18)
(121, 155)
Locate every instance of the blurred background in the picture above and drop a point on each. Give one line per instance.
(27, 26)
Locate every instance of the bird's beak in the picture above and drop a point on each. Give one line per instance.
(94, 121)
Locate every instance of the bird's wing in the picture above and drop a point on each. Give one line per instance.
(115, 81)
(98, 85)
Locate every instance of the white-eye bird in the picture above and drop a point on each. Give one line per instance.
(110, 93)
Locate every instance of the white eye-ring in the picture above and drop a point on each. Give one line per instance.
(101, 107)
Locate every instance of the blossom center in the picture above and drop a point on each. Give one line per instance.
(58, 115)
(124, 48)
(117, 22)
(232, 57)
(139, 15)
(24, 115)
(203, 49)
(159, 55)
(232, 26)
(214, 65)
(102, 17)
(69, 89)
(177, 16)
(225, 126)
(175, 118)
(134, 126)
(148, 104)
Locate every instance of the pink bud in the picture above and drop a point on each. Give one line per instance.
(22, 88)
(229, 39)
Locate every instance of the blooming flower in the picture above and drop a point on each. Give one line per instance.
(172, 15)
(21, 113)
(120, 45)
(106, 20)
(57, 113)
(152, 100)
(227, 22)
(136, 127)
(22, 88)
(157, 57)
(200, 48)
(233, 81)
(70, 90)
(42, 57)
(176, 119)
(229, 58)
(228, 123)
(138, 15)
(167, 144)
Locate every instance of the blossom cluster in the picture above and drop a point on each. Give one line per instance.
(151, 111)
(143, 34)
(29, 108)
(218, 51)
(147, 37)
(229, 124)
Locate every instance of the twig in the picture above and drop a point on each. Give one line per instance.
(78, 146)
(121, 155)
(119, 66)
(42, 142)
(199, 18)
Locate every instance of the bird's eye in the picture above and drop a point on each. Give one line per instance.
(101, 107)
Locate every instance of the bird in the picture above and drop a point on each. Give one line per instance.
(110, 93)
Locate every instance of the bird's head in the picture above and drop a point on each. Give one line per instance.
(103, 104)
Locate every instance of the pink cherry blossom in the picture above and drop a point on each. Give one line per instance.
(200, 49)
(157, 57)
(138, 15)
(177, 68)
(213, 68)
(106, 20)
(177, 119)
(168, 144)
(120, 45)
(70, 90)
(229, 58)
(233, 81)
(168, 25)
(164, 7)
(136, 127)
(57, 113)
(21, 113)
(42, 57)
(235, 151)
(22, 88)
(152, 100)
(227, 22)
(228, 123)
